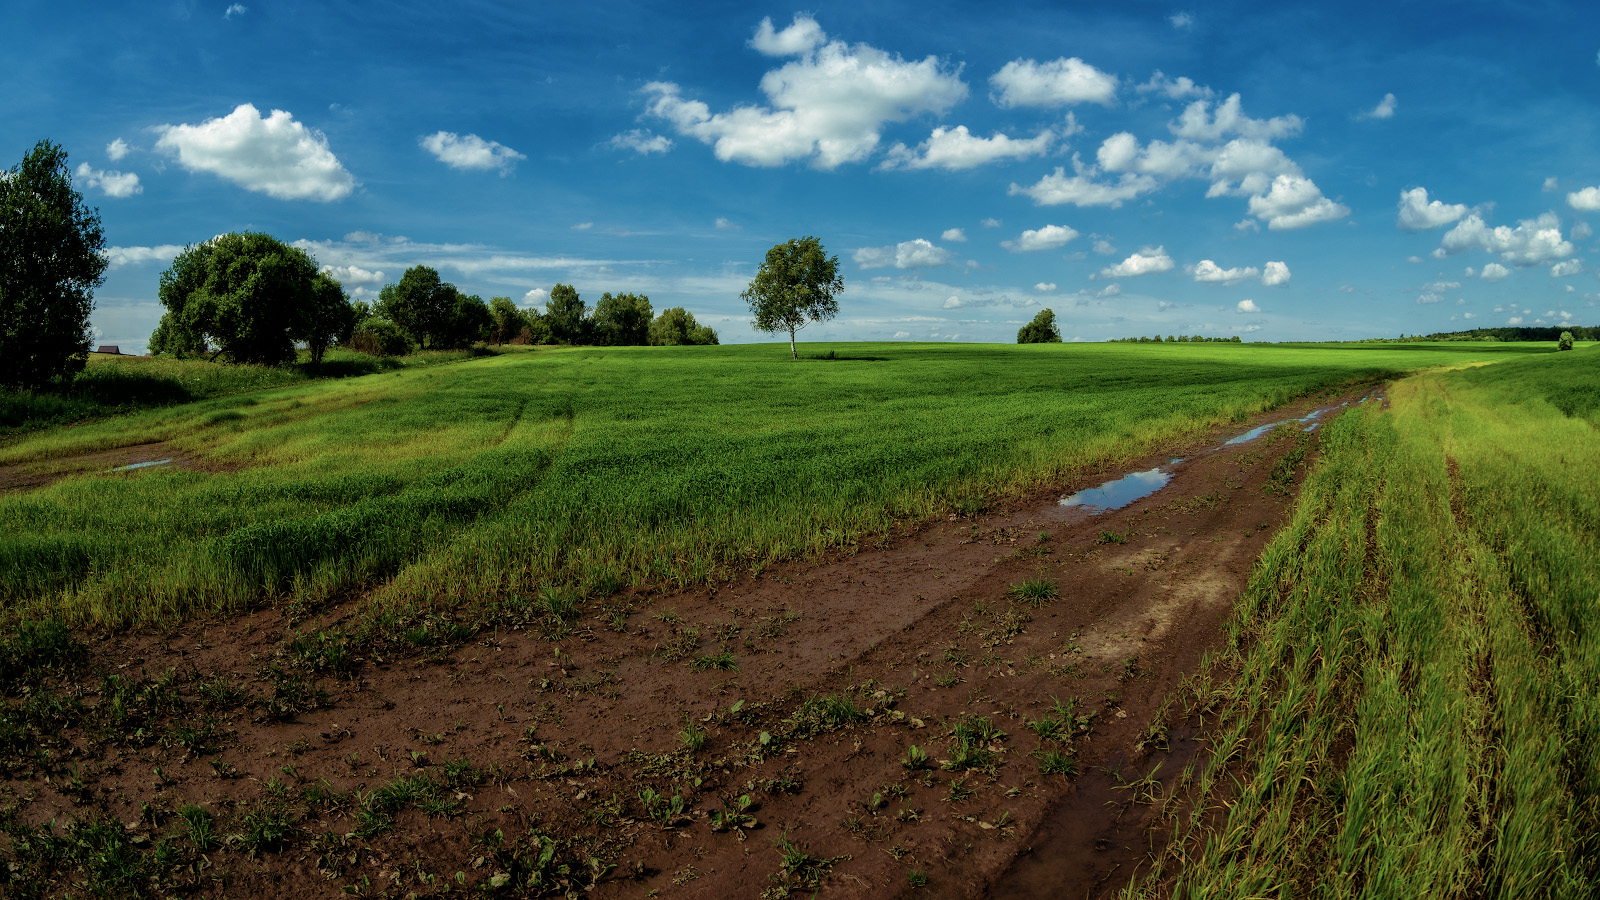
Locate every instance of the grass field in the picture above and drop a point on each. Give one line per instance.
(595, 468)
(1417, 706)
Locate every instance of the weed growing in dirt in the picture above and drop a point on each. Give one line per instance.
(1035, 592)
(916, 758)
(798, 870)
(722, 661)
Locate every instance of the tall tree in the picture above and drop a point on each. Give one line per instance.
(251, 296)
(423, 305)
(623, 320)
(676, 326)
(566, 314)
(50, 265)
(794, 287)
(1042, 330)
(508, 319)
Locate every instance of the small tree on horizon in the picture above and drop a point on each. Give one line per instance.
(1042, 330)
(1565, 341)
(794, 287)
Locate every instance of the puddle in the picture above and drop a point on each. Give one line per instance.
(1311, 427)
(1259, 430)
(142, 465)
(1117, 494)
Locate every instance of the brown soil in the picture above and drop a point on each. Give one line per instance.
(919, 632)
(156, 456)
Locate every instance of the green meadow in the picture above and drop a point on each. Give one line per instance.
(1416, 705)
(590, 469)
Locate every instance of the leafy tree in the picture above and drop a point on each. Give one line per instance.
(623, 320)
(470, 321)
(50, 265)
(380, 337)
(1565, 341)
(422, 305)
(794, 287)
(676, 326)
(537, 331)
(251, 296)
(508, 319)
(566, 314)
(1042, 330)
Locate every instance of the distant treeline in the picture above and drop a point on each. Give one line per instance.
(1178, 339)
(1503, 333)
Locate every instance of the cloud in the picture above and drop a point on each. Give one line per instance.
(955, 149)
(113, 183)
(1275, 273)
(1563, 269)
(1581, 231)
(1248, 306)
(725, 224)
(1492, 273)
(1082, 188)
(236, 9)
(354, 275)
(1384, 109)
(1295, 202)
(1418, 213)
(1180, 88)
(828, 105)
(642, 141)
(1062, 82)
(1199, 122)
(1586, 200)
(1208, 272)
(1047, 238)
(1181, 20)
(954, 235)
(801, 37)
(1145, 262)
(273, 155)
(470, 151)
(583, 226)
(117, 149)
(535, 297)
(1531, 243)
(990, 223)
(1514, 320)
(1104, 247)
(919, 253)
(1551, 183)
(1045, 287)
(132, 256)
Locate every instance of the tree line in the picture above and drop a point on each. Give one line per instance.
(1177, 339)
(249, 297)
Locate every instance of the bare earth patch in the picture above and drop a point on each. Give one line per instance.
(802, 689)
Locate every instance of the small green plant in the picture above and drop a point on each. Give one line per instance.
(737, 816)
(1035, 591)
(917, 878)
(265, 827)
(1056, 762)
(1112, 537)
(197, 822)
(722, 661)
(692, 736)
(916, 758)
(665, 811)
(958, 791)
(798, 869)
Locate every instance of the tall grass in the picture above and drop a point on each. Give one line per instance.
(593, 468)
(1417, 709)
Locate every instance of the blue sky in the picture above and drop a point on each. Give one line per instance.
(1279, 172)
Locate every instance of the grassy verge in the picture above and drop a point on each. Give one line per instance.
(1416, 709)
(596, 468)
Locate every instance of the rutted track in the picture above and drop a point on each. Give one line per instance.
(919, 632)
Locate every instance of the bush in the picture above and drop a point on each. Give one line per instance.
(1565, 341)
(380, 337)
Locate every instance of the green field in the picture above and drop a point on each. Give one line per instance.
(597, 468)
(1417, 709)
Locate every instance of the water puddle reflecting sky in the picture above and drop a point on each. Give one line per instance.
(141, 465)
(1119, 493)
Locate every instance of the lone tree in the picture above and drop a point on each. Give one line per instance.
(50, 265)
(566, 314)
(794, 287)
(251, 296)
(1565, 341)
(1042, 330)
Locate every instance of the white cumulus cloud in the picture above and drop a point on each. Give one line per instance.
(1295, 202)
(353, 274)
(117, 149)
(235, 9)
(1586, 200)
(535, 297)
(1045, 287)
(1532, 242)
(1047, 238)
(1200, 122)
(1145, 262)
(1084, 187)
(954, 235)
(954, 149)
(132, 256)
(1275, 273)
(1248, 306)
(1384, 109)
(1208, 272)
(113, 183)
(470, 151)
(1180, 88)
(1494, 272)
(802, 36)
(274, 154)
(919, 253)
(1061, 82)
(642, 141)
(1563, 269)
(1418, 213)
(828, 105)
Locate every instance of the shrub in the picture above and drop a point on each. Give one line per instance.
(1565, 341)
(380, 337)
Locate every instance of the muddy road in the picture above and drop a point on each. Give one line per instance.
(754, 739)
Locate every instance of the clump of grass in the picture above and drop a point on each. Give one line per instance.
(721, 661)
(1035, 592)
(798, 869)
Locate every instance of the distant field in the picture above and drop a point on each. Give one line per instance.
(600, 467)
